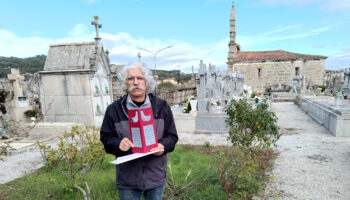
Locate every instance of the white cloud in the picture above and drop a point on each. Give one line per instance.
(78, 30)
(13, 45)
(123, 48)
(290, 32)
(339, 60)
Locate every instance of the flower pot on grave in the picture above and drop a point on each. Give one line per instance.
(193, 105)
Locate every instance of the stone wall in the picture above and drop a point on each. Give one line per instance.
(280, 73)
(176, 96)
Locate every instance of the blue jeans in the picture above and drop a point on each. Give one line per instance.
(135, 194)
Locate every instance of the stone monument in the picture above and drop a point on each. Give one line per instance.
(19, 103)
(76, 84)
(214, 91)
(296, 84)
(346, 85)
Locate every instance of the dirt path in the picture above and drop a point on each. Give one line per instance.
(312, 163)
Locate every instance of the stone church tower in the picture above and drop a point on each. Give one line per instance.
(233, 46)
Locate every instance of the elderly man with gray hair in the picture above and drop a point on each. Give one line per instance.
(146, 175)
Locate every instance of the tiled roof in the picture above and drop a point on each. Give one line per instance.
(279, 55)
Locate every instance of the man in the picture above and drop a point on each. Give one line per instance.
(145, 175)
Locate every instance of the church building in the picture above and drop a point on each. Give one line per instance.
(263, 70)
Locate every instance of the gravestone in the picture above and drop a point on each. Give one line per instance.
(215, 90)
(202, 91)
(297, 83)
(19, 104)
(346, 85)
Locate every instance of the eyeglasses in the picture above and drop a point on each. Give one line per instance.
(138, 78)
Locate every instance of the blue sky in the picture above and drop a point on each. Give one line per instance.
(197, 29)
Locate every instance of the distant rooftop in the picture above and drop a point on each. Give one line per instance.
(279, 55)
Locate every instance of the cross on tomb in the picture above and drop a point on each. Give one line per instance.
(97, 25)
(16, 78)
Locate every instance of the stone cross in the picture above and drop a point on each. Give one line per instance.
(97, 26)
(16, 78)
(139, 56)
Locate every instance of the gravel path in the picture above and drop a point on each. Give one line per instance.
(312, 163)
(20, 164)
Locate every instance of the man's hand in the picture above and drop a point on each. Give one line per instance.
(125, 144)
(161, 148)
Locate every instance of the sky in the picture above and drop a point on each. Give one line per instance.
(195, 29)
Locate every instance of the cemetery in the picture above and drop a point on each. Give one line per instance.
(230, 133)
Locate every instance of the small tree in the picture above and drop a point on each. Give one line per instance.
(251, 127)
(238, 172)
(79, 151)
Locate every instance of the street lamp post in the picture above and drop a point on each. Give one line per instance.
(155, 59)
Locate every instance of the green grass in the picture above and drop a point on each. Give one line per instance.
(202, 182)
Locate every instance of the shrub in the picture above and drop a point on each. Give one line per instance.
(253, 95)
(166, 85)
(173, 188)
(31, 113)
(323, 88)
(251, 127)
(79, 151)
(238, 173)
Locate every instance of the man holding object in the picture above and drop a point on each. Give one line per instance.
(146, 175)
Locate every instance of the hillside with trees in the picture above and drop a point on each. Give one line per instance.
(25, 65)
(36, 63)
(180, 77)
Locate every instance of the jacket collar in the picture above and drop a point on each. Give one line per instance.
(131, 105)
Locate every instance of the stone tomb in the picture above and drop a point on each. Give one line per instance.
(74, 84)
(334, 116)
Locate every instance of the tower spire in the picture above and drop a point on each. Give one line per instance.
(233, 48)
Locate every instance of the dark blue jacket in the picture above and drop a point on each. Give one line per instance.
(146, 172)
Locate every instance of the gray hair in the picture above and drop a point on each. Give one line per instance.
(123, 76)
